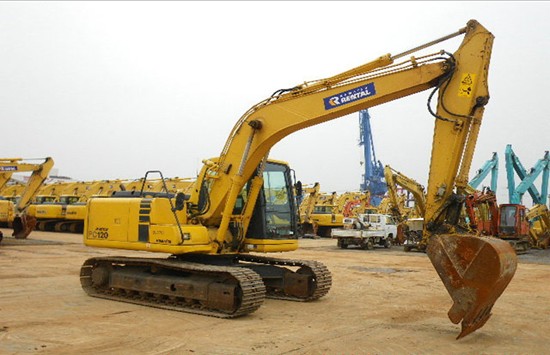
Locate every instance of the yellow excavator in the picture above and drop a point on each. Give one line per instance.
(16, 212)
(242, 203)
(539, 220)
(395, 178)
(411, 220)
(50, 215)
(305, 209)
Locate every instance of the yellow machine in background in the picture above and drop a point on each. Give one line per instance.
(359, 204)
(395, 178)
(330, 214)
(539, 220)
(410, 220)
(49, 214)
(325, 215)
(61, 206)
(11, 193)
(242, 204)
(15, 213)
(306, 209)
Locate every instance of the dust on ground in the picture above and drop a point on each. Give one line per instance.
(382, 301)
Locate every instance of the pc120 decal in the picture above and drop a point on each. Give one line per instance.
(349, 96)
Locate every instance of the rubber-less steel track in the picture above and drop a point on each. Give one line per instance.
(320, 275)
(248, 285)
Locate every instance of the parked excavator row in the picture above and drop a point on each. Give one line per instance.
(242, 203)
(13, 212)
(61, 206)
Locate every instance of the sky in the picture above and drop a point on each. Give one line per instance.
(113, 89)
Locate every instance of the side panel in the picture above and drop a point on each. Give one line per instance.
(142, 224)
(50, 211)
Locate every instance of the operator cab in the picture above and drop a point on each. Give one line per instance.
(275, 213)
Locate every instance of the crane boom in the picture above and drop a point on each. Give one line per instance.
(374, 170)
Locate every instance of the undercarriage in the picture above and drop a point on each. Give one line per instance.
(221, 286)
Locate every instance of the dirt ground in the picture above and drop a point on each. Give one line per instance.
(381, 302)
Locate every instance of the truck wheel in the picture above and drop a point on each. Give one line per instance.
(388, 243)
(370, 245)
(342, 245)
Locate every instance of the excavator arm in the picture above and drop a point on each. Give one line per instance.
(462, 81)
(394, 178)
(306, 207)
(23, 224)
(7, 168)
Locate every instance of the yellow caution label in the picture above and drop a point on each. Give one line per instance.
(466, 86)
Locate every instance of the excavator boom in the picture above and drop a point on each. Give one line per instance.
(24, 224)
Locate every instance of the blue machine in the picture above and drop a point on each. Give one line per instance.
(515, 193)
(490, 166)
(373, 177)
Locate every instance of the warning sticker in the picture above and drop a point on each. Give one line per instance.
(466, 86)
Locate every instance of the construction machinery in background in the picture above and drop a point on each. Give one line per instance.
(394, 179)
(505, 221)
(14, 213)
(329, 213)
(527, 184)
(76, 212)
(67, 213)
(326, 215)
(361, 204)
(321, 212)
(490, 166)
(241, 204)
(49, 209)
(306, 207)
(7, 168)
(373, 176)
(539, 229)
(409, 219)
(11, 192)
(61, 206)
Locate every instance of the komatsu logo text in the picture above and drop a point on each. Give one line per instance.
(349, 96)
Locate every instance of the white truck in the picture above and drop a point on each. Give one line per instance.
(366, 231)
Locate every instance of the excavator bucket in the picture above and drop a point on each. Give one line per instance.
(475, 271)
(23, 225)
